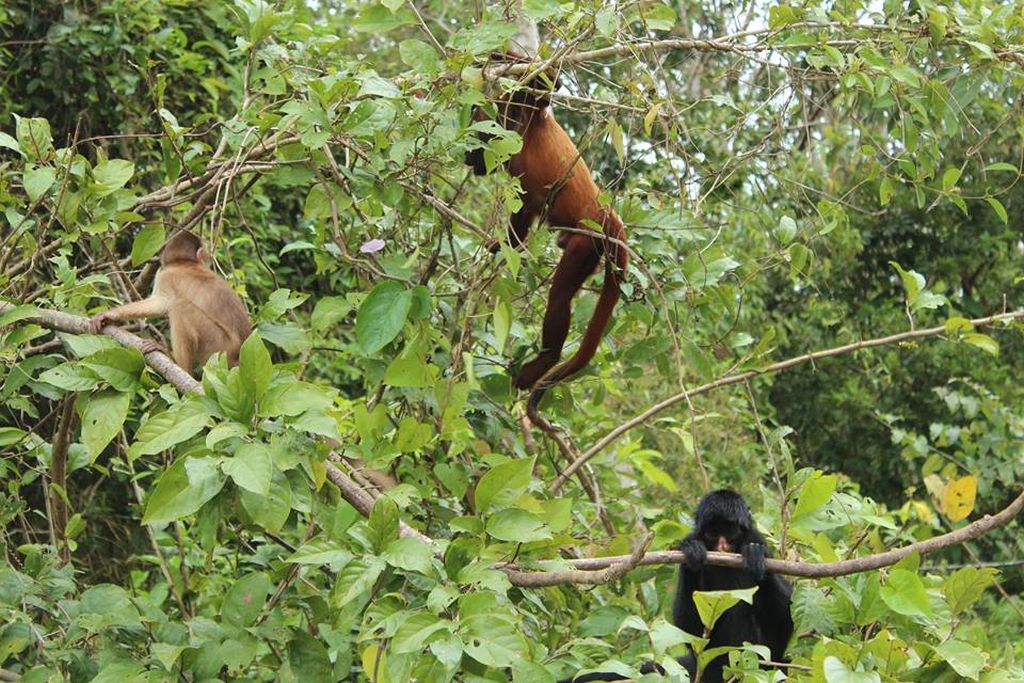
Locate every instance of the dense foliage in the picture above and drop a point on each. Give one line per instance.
(793, 177)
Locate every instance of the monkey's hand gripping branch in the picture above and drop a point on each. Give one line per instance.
(354, 494)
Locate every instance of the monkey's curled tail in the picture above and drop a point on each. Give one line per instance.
(616, 259)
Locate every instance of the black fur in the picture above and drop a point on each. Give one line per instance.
(723, 521)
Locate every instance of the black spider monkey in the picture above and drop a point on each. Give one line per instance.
(724, 523)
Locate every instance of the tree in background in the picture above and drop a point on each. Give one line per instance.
(342, 505)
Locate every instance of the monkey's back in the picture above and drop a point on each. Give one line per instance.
(205, 313)
(550, 164)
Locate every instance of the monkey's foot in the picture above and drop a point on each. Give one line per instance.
(150, 345)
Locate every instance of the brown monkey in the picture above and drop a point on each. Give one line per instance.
(557, 186)
(206, 315)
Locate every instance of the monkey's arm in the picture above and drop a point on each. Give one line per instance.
(155, 305)
(684, 610)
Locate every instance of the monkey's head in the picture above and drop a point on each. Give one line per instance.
(723, 520)
(182, 246)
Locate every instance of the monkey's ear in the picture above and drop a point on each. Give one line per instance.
(201, 255)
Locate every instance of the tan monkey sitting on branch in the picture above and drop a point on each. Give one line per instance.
(206, 315)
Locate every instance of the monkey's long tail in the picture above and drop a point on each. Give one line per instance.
(616, 259)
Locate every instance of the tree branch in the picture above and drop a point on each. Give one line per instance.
(585, 569)
(737, 378)
(182, 381)
(590, 571)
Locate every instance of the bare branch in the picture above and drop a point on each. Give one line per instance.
(737, 378)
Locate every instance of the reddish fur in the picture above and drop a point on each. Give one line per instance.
(206, 315)
(558, 187)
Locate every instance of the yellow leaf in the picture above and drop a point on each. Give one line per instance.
(373, 663)
(958, 497)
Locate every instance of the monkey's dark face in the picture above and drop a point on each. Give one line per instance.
(724, 536)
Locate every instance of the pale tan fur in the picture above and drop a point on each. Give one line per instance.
(206, 315)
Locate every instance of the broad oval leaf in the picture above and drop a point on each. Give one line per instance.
(382, 315)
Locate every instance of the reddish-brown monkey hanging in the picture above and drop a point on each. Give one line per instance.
(557, 187)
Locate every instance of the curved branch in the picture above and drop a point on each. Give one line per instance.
(609, 572)
(737, 378)
(355, 495)
(590, 571)
(585, 569)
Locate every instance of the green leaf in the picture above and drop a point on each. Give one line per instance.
(10, 143)
(419, 55)
(713, 604)
(182, 489)
(382, 315)
(288, 337)
(321, 552)
(70, 377)
(37, 180)
(906, 75)
(357, 577)
(659, 17)
(147, 243)
(254, 364)
(502, 320)
(270, 511)
(167, 655)
(121, 367)
(308, 659)
(885, 190)
(167, 429)
(1002, 166)
(965, 586)
(913, 282)
(491, 641)
(520, 526)
(106, 605)
(251, 468)
(295, 398)
(966, 660)
(34, 137)
(799, 257)
(836, 671)
(11, 435)
(998, 207)
(410, 371)
(983, 342)
(110, 176)
(504, 483)
(785, 231)
(814, 493)
(416, 630)
(383, 522)
(245, 599)
(905, 594)
(949, 178)
(103, 414)
(328, 312)
(409, 554)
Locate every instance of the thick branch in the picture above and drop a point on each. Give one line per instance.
(768, 369)
(586, 569)
(185, 383)
(604, 569)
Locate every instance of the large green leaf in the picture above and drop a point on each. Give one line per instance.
(245, 599)
(504, 483)
(102, 415)
(382, 315)
(182, 489)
